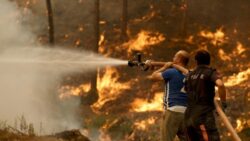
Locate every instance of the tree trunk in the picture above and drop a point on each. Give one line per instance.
(50, 22)
(92, 96)
(184, 19)
(124, 24)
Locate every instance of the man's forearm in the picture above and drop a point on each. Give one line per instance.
(181, 68)
(156, 75)
(222, 92)
(166, 66)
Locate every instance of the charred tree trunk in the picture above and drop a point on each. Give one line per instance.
(184, 9)
(92, 96)
(124, 24)
(50, 22)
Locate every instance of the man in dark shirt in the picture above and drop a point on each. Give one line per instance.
(200, 87)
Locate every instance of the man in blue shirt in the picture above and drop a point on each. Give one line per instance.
(175, 100)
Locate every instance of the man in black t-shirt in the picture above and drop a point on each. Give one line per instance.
(200, 88)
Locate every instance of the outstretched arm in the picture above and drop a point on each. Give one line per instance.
(157, 75)
(181, 68)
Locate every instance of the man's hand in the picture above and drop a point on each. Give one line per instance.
(168, 64)
(223, 105)
(148, 63)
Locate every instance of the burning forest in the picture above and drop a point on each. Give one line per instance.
(65, 73)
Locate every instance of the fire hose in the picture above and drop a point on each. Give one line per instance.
(226, 121)
(137, 62)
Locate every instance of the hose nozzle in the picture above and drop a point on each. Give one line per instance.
(137, 61)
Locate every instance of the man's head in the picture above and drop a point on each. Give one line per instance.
(202, 57)
(181, 57)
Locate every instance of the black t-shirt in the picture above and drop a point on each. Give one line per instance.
(200, 87)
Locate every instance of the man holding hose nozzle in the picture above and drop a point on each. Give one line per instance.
(175, 100)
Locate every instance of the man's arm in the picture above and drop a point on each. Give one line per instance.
(157, 75)
(221, 89)
(181, 68)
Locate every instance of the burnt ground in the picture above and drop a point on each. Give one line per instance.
(72, 135)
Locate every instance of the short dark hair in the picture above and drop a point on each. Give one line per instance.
(202, 57)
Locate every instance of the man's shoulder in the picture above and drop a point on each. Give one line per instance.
(173, 70)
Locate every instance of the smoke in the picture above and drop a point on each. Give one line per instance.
(30, 76)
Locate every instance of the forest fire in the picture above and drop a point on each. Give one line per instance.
(128, 107)
(217, 38)
(141, 105)
(145, 39)
(67, 91)
(240, 124)
(238, 78)
(109, 87)
(143, 124)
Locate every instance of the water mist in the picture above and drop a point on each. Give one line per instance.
(30, 75)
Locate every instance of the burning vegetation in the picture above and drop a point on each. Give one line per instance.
(128, 106)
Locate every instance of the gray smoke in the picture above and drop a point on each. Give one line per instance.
(30, 76)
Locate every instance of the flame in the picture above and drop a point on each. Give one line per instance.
(80, 28)
(77, 42)
(102, 39)
(141, 105)
(240, 124)
(224, 56)
(190, 39)
(216, 38)
(240, 49)
(102, 22)
(147, 17)
(142, 125)
(145, 39)
(239, 78)
(67, 91)
(109, 87)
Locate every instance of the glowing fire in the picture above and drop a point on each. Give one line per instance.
(240, 49)
(216, 38)
(77, 42)
(141, 105)
(109, 87)
(240, 124)
(147, 17)
(101, 40)
(223, 55)
(145, 39)
(67, 91)
(239, 78)
(142, 125)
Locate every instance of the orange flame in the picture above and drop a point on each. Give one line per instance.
(216, 38)
(239, 78)
(77, 42)
(109, 87)
(240, 124)
(102, 39)
(223, 55)
(145, 39)
(240, 49)
(67, 91)
(142, 125)
(140, 105)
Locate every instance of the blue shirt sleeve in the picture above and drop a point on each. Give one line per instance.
(167, 74)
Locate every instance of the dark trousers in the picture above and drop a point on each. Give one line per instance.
(205, 130)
